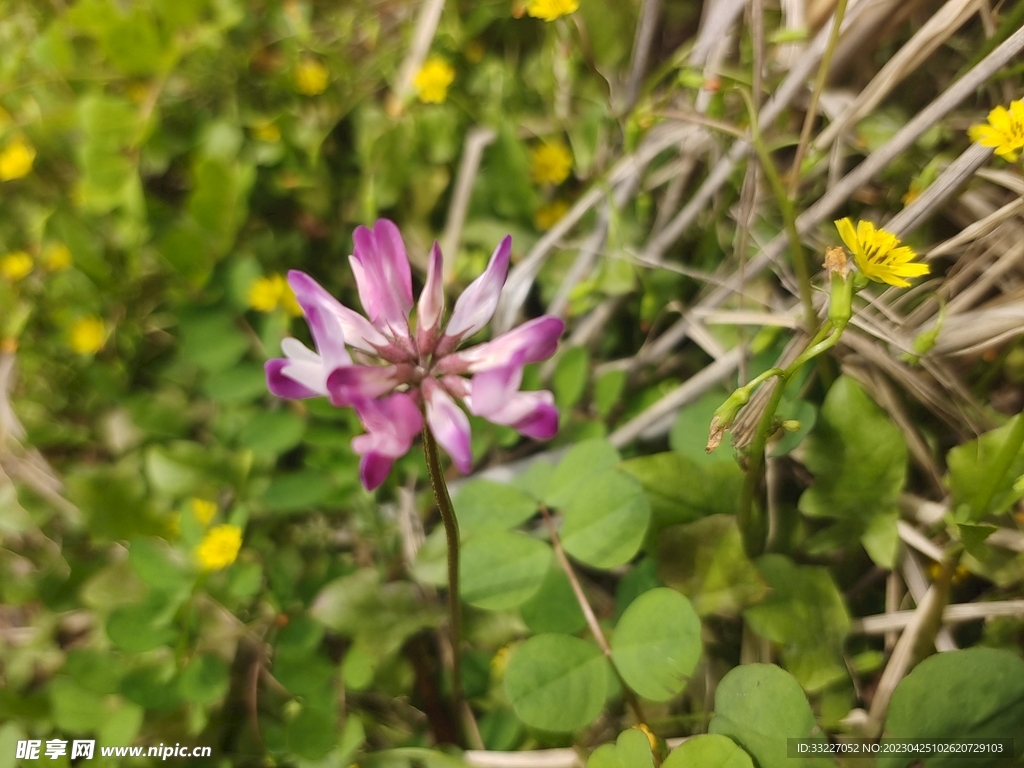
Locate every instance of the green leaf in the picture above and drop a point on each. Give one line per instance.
(805, 614)
(554, 608)
(159, 566)
(570, 378)
(557, 682)
(74, 708)
(968, 473)
(212, 341)
(881, 539)
(584, 460)
(630, 750)
(656, 644)
(501, 570)
(270, 433)
(689, 434)
(204, 680)
(94, 670)
(298, 491)
(857, 455)
(708, 751)
(706, 561)
(152, 687)
(607, 391)
(483, 505)
(759, 706)
(605, 521)
(681, 490)
(976, 693)
(133, 45)
(312, 734)
(144, 626)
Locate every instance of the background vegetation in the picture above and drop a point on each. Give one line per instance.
(164, 162)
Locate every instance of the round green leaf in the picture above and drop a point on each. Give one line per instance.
(630, 750)
(204, 680)
(759, 706)
(708, 751)
(501, 570)
(311, 734)
(605, 520)
(557, 682)
(657, 644)
(554, 608)
(976, 693)
(485, 505)
(270, 433)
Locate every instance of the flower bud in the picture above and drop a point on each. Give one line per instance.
(725, 416)
(840, 307)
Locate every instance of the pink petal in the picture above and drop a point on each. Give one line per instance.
(374, 469)
(449, 425)
(347, 385)
(357, 330)
(477, 303)
(491, 389)
(535, 340)
(391, 423)
(329, 338)
(495, 397)
(282, 385)
(540, 419)
(383, 277)
(431, 304)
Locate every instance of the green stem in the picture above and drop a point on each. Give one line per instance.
(751, 521)
(788, 216)
(451, 532)
(1008, 451)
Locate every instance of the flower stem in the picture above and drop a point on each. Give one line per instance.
(588, 613)
(451, 532)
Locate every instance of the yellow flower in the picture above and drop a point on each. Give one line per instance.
(16, 160)
(269, 293)
(550, 163)
(311, 77)
(88, 335)
(219, 547)
(549, 10)
(16, 265)
(878, 253)
(267, 132)
(550, 214)
(1004, 131)
(433, 79)
(57, 257)
(203, 510)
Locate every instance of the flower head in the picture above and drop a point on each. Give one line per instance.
(203, 510)
(16, 265)
(545, 217)
(57, 257)
(311, 77)
(878, 253)
(549, 10)
(433, 79)
(16, 160)
(88, 335)
(268, 293)
(219, 547)
(550, 163)
(1004, 131)
(403, 374)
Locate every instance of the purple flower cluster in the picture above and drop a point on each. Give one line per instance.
(399, 373)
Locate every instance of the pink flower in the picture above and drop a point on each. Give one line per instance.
(399, 373)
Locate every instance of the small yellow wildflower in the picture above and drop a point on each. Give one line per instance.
(16, 265)
(550, 163)
(16, 160)
(549, 10)
(550, 214)
(878, 253)
(219, 547)
(433, 79)
(267, 132)
(203, 510)
(269, 293)
(311, 77)
(88, 335)
(57, 257)
(1004, 131)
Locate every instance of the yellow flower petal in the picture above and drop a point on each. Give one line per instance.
(433, 79)
(311, 77)
(1004, 131)
(16, 265)
(550, 163)
(265, 293)
(57, 257)
(16, 160)
(203, 510)
(549, 10)
(219, 547)
(847, 233)
(88, 335)
(878, 253)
